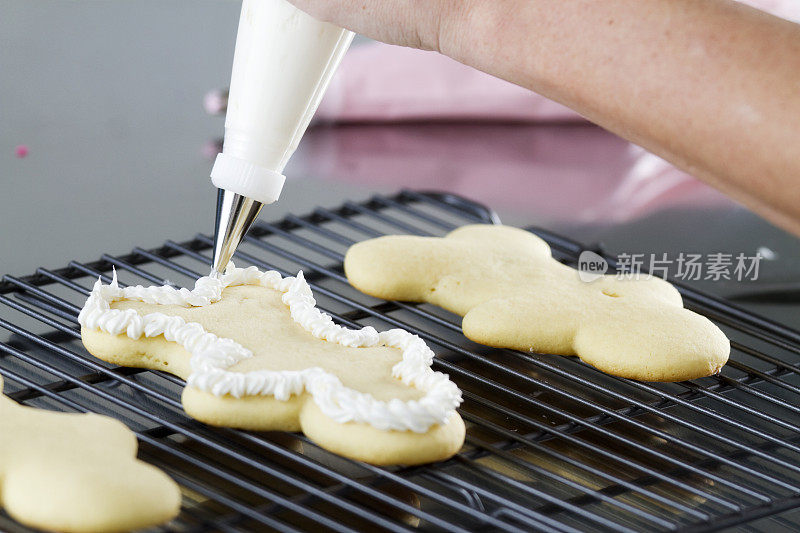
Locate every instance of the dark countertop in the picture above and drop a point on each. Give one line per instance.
(107, 96)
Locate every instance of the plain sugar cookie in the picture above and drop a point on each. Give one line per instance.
(513, 294)
(78, 473)
(257, 354)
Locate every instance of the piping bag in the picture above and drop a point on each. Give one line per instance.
(283, 63)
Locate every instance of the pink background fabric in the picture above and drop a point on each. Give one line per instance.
(544, 174)
(378, 82)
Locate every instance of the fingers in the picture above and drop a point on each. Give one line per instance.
(411, 23)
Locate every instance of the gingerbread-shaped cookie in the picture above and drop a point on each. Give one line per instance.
(257, 354)
(513, 294)
(77, 473)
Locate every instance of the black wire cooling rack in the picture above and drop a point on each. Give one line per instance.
(552, 444)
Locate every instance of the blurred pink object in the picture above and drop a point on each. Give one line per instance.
(211, 149)
(788, 9)
(216, 102)
(383, 83)
(21, 151)
(561, 173)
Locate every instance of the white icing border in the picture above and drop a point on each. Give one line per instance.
(211, 356)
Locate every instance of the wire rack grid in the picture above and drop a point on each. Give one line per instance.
(552, 443)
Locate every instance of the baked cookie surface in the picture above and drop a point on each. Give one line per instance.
(257, 354)
(78, 473)
(513, 294)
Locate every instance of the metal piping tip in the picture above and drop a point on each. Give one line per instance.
(235, 215)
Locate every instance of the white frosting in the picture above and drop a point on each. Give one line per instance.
(211, 356)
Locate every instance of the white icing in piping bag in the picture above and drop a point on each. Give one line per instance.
(283, 63)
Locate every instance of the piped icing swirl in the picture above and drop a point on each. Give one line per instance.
(212, 356)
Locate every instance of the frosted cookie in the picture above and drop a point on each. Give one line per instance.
(77, 473)
(257, 354)
(513, 294)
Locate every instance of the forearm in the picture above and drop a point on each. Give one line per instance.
(710, 85)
